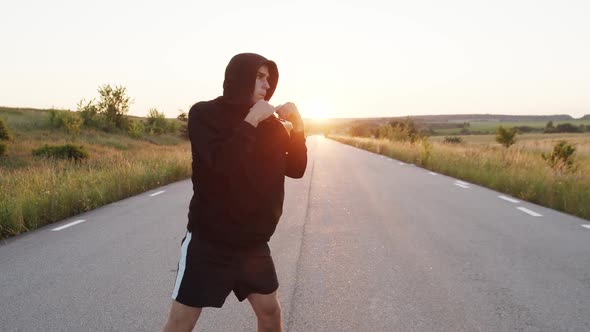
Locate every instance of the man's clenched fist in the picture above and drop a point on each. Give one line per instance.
(290, 113)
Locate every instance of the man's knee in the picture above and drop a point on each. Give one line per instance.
(182, 317)
(270, 312)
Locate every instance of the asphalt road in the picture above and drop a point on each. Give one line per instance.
(365, 244)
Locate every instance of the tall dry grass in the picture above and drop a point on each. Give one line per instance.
(45, 191)
(519, 171)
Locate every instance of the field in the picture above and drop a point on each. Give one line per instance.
(36, 191)
(519, 171)
(490, 126)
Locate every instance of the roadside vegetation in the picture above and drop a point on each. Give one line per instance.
(58, 163)
(546, 169)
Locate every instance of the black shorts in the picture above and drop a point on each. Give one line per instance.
(208, 272)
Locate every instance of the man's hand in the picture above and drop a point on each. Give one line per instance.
(290, 113)
(259, 112)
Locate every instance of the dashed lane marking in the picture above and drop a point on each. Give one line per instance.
(509, 199)
(68, 225)
(532, 213)
(157, 193)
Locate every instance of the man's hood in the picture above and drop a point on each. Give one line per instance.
(240, 78)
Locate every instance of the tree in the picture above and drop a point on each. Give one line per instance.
(506, 137)
(114, 105)
(183, 116)
(549, 128)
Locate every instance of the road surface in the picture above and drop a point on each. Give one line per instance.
(366, 243)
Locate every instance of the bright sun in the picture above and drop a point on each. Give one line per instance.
(318, 110)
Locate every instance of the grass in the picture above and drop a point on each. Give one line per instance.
(36, 191)
(519, 171)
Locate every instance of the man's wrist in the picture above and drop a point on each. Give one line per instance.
(251, 120)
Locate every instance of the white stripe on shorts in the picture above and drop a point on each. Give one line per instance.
(181, 265)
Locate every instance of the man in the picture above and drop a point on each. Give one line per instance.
(241, 154)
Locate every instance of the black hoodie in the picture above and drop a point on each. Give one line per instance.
(238, 169)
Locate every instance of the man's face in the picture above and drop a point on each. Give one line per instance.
(261, 84)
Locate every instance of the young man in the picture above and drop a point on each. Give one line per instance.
(241, 154)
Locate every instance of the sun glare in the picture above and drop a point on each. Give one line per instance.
(317, 110)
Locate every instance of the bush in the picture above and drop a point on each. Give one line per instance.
(5, 134)
(183, 116)
(114, 105)
(567, 128)
(3, 148)
(136, 129)
(110, 112)
(184, 131)
(453, 140)
(506, 137)
(88, 112)
(561, 158)
(67, 151)
(70, 122)
(156, 122)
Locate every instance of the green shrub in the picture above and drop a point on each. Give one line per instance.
(453, 140)
(67, 151)
(88, 112)
(506, 137)
(5, 133)
(156, 122)
(3, 148)
(136, 129)
(109, 113)
(70, 122)
(561, 158)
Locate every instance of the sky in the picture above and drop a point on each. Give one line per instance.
(335, 58)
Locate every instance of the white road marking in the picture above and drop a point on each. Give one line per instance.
(511, 200)
(532, 213)
(159, 192)
(68, 225)
(401, 163)
(461, 185)
(586, 226)
(461, 182)
(432, 173)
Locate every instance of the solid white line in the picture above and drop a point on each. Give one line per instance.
(506, 198)
(159, 192)
(461, 185)
(68, 225)
(532, 213)
(432, 173)
(461, 182)
(586, 226)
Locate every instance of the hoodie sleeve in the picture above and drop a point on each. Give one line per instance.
(296, 155)
(222, 154)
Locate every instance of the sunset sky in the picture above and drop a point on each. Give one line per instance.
(336, 58)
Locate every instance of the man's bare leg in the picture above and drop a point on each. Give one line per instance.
(268, 311)
(181, 318)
